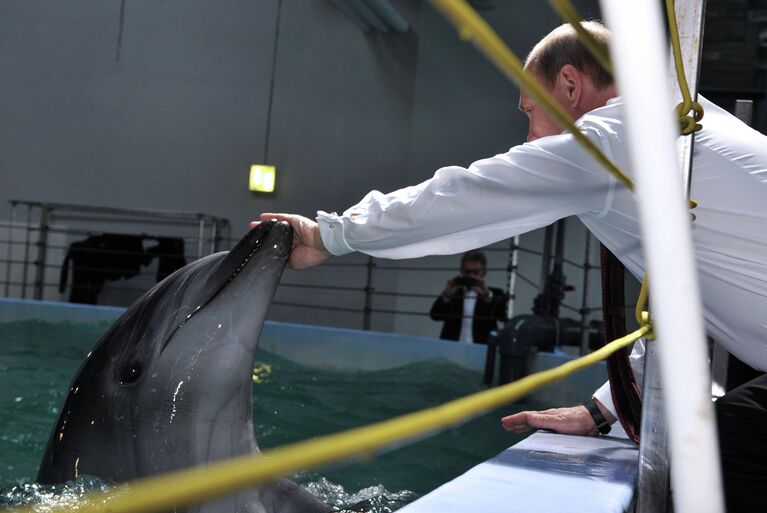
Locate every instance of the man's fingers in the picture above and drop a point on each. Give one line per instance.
(544, 421)
(295, 221)
(267, 216)
(574, 421)
(527, 420)
(308, 250)
(518, 423)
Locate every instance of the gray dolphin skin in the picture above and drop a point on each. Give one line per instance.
(169, 385)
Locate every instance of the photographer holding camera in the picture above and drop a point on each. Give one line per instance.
(469, 308)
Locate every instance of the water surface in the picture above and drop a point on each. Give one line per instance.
(291, 403)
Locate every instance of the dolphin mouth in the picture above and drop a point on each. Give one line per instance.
(235, 261)
(239, 268)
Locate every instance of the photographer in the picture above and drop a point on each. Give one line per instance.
(469, 308)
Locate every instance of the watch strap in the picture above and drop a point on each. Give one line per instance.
(603, 426)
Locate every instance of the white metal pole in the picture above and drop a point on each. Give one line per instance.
(512, 285)
(639, 52)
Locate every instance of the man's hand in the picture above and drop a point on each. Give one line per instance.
(451, 288)
(308, 249)
(575, 420)
(480, 287)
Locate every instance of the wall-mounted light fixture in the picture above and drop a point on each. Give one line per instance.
(262, 178)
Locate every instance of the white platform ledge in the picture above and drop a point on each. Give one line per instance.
(545, 473)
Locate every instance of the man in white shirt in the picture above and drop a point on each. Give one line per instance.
(551, 177)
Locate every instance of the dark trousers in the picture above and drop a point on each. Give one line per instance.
(742, 423)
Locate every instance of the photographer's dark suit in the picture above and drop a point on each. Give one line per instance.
(487, 311)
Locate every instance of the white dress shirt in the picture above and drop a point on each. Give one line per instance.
(534, 184)
(467, 322)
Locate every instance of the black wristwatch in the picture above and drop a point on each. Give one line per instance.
(603, 426)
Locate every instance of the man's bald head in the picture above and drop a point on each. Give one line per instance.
(562, 46)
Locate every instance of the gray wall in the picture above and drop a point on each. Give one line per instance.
(169, 108)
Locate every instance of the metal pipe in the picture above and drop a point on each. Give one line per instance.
(366, 316)
(653, 479)
(200, 236)
(26, 253)
(652, 132)
(585, 312)
(546, 259)
(690, 17)
(69, 207)
(214, 238)
(744, 110)
(42, 246)
(9, 252)
(511, 286)
(557, 279)
(389, 14)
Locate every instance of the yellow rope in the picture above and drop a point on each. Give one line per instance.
(569, 14)
(687, 123)
(641, 313)
(472, 27)
(642, 300)
(200, 484)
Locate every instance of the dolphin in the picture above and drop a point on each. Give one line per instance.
(169, 385)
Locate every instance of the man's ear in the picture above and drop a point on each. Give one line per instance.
(571, 84)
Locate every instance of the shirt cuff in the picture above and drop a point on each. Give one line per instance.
(605, 396)
(332, 233)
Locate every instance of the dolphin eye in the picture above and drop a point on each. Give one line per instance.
(130, 373)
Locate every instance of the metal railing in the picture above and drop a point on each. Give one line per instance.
(39, 236)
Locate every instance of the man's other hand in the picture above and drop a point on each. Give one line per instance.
(574, 420)
(451, 289)
(308, 249)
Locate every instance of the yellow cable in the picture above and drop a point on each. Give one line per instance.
(640, 313)
(569, 14)
(205, 483)
(472, 27)
(642, 299)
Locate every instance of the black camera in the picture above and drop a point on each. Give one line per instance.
(465, 281)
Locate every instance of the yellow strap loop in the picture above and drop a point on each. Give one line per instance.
(688, 124)
(641, 314)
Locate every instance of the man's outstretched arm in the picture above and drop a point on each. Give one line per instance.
(308, 249)
(575, 420)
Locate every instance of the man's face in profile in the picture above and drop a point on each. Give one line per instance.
(539, 122)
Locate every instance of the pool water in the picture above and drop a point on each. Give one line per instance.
(291, 403)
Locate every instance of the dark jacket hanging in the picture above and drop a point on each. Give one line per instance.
(109, 256)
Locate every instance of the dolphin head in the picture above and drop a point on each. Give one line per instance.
(168, 386)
